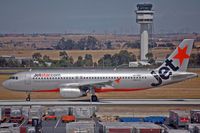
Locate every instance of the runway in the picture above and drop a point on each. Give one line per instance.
(64, 102)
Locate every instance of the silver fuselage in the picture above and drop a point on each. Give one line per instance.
(120, 79)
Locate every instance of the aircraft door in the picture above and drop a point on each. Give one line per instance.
(27, 79)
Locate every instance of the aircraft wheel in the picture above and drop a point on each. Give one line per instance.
(94, 98)
(28, 97)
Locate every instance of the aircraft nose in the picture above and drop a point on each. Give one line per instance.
(5, 84)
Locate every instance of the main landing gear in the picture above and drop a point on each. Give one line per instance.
(28, 98)
(93, 97)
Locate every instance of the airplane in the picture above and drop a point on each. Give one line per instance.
(75, 83)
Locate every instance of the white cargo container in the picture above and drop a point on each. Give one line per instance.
(84, 112)
(177, 131)
(25, 110)
(129, 127)
(191, 127)
(8, 125)
(59, 111)
(5, 131)
(38, 107)
(34, 114)
(80, 127)
(16, 115)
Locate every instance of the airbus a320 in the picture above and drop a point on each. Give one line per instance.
(74, 83)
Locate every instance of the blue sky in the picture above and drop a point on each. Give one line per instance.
(99, 16)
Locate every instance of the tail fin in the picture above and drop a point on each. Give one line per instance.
(178, 60)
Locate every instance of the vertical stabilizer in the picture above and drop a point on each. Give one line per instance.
(178, 60)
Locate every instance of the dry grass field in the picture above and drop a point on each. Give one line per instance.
(185, 89)
(96, 54)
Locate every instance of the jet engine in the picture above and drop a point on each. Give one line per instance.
(72, 92)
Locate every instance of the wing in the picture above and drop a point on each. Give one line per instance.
(88, 83)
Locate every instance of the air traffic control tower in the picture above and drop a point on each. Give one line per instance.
(144, 17)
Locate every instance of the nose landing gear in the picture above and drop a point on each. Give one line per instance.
(28, 98)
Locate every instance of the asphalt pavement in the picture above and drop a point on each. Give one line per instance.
(64, 102)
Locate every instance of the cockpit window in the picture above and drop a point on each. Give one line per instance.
(14, 77)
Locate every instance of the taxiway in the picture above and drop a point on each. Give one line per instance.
(63, 102)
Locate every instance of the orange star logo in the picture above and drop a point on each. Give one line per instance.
(181, 55)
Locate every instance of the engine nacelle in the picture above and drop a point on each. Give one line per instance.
(72, 92)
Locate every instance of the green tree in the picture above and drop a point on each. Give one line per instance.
(13, 63)
(63, 55)
(116, 60)
(108, 45)
(150, 58)
(123, 57)
(61, 44)
(55, 63)
(149, 55)
(27, 63)
(106, 60)
(66, 62)
(88, 61)
(46, 58)
(198, 59)
(79, 62)
(135, 44)
(3, 62)
(95, 64)
(193, 59)
(37, 56)
(71, 61)
(92, 42)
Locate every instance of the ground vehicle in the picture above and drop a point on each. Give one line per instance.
(178, 118)
(68, 118)
(16, 115)
(50, 115)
